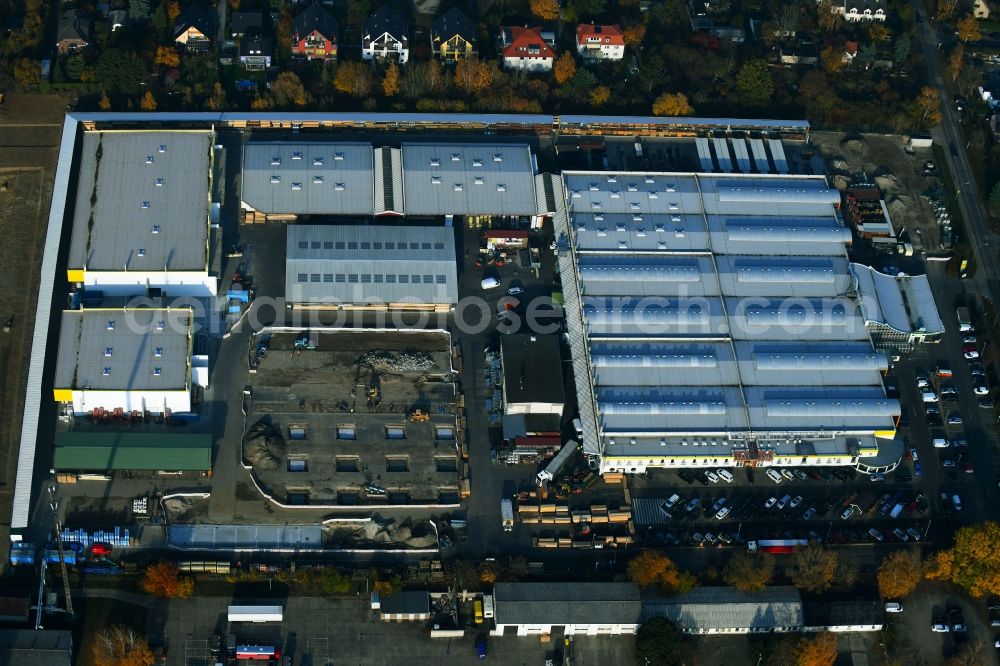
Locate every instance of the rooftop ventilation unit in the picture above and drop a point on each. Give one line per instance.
(339, 155)
(275, 179)
(477, 162)
(111, 324)
(159, 182)
(456, 157)
(163, 148)
(458, 187)
(158, 352)
(478, 180)
(637, 218)
(297, 155)
(616, 195)
(501, 187)
(435, 162)
(108, 351)
(632, 187)
(145, 205)
(159, 325)
(296, 187)
(598, 218)
(275, 161)
(106, 372)
(339, 187)
(141, 252)
(156, 372)
(594, 187)
(654, 195)
(317, 161)
(612, 179)
(435, 180)
(498, 157)
(317, 180)
(650, 180)
(149, 159)
(156, 229)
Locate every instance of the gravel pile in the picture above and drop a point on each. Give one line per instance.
(398, 361)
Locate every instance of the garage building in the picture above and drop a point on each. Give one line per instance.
(578, 608)
(127, 359)
(101, 451)
(371, 268)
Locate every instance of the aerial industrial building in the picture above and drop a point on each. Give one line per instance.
(713, 320)
(285, 181)
(143, 213)
(370, 267)
(124, 359)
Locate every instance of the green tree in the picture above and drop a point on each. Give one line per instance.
(588, 9)
(120, 71)
(138, 10)
(754, 83)
(749, 572)
(74, 67)
(660, 642)
(901, 50)
(866, 56)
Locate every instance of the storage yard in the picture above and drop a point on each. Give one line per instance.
(353, 418)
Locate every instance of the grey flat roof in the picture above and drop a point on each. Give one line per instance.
(567, 603)
(532, 368)
(361, 264)
(124, 349)
(417, 602)
(28, 647)
(692, 329)
(905, 304)
(142, 201)
(705, 608)
(309, 178)
(468, 179)
(245, 537)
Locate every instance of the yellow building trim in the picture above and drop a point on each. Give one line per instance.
(885, 434)
(74, 274)
(62, 395)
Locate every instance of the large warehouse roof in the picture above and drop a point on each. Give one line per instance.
(420, 179)
(468, 179)
(713, 609)
(101, 450)
(126, 349)
(702, 308)
(904, 303)
(358, 264)
(309, 178)
(142, 201)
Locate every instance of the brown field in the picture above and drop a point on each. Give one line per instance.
(30, 129)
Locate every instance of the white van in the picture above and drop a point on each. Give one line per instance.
(940, 443)
(489, 283)
(672, 501)
(725, 475)
(928, 396)
(773, 475)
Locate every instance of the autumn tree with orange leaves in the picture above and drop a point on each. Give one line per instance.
(675, 104)
(390, 81)
(353, 78)
(973, 562)
(899, 574)
(472, 75)
(565, 68)
(121, 646)
(819, 651)
(652, 567)
(968, 29)
(634, 34)
(167, 57)
(546, 10)
(164, 580)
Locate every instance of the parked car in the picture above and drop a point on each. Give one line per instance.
(719, 503)
(774, 475)
(692, 505)
(876, 535)
(893, 607)
(770, 502)
(722, 513)
(795, 501)
(672, 501)
(939, 625)
(985, 402)
(981, 389)
(901, 535)
(957, 621)
(787, 473)
(725, 475)
(914, 456)
(922, 380)
(956, 501)
(711, 476)
(810, 512)
(918, 471)
(783, 502)
(914, 533)
(800, 475)
(100, 549)
(878, 476)
(954, 418)
(971, 354)
(847, 513)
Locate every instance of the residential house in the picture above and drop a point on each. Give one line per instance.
(864, 10)
(74, 31)
(453, 36)
(245, 23)
(981, 9)
(850, 51)
(533, 609)
(193, 29)
(117, 18)
(803, 54)
(525, 49)
(255, 52)
(600, 42)
(385, 35)
(314, 34)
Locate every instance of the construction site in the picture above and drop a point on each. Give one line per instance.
(353, 417)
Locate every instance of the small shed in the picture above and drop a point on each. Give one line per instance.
(406, 606)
